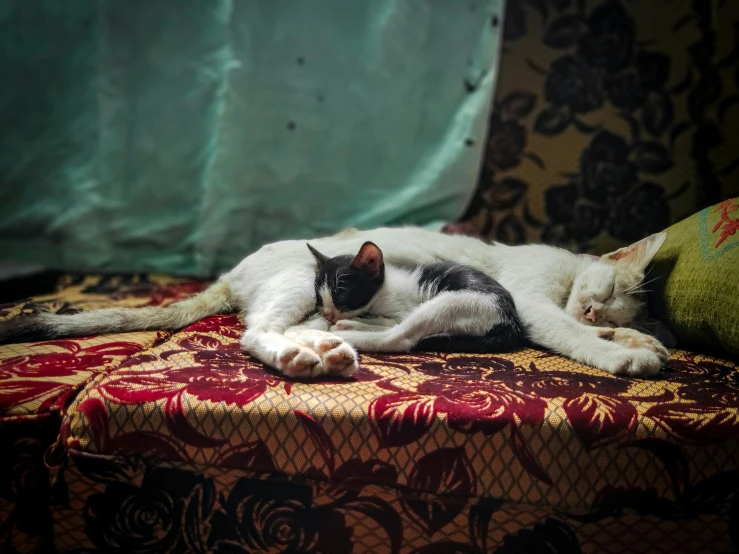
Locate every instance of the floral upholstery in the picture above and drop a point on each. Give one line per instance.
(37, 380)
(612, 120)
(188, 445)
(519, 430)
(129, 505)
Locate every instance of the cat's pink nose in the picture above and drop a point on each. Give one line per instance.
(329, 314)
(591, 314)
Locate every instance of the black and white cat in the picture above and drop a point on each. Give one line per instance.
(579, 307)
(393, 308)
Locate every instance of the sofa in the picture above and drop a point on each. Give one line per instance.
(179, 442)
(607, 125)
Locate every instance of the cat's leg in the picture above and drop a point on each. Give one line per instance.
(357, 325)
(279, 305)
(375, 323)
(315, 321)
(449, 313)
(549, 326)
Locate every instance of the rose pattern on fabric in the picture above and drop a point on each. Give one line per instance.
(600, 157)
(40, 379)
(36, 383)
(134, 506)
(199, 398)
(457, 433)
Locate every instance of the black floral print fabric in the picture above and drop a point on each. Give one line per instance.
(612, 120)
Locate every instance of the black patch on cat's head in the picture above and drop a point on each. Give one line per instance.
(352, 281)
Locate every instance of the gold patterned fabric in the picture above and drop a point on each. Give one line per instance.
(127, 505)
(611, 121)
(528, 427)
(189, 445)
(523, 429)
(38, 378)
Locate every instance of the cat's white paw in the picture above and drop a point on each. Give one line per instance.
(299, 362)
(634, 362)
(630, 338)
(344, 325)
(341, 360)
(336, 356)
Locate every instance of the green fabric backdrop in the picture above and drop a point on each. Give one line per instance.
(178, 136)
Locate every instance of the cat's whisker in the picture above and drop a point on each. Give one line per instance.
(634, 286)
(650, 281)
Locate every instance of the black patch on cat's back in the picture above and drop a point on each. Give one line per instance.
(444, 277)
(509, 332)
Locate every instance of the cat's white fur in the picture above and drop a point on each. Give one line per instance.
(274, 286)
(400, 293)
(406, 311)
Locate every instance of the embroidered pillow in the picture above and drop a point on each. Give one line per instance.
(697, 291)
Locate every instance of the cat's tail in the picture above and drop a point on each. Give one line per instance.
(43, 326)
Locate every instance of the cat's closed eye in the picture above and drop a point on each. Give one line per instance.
(607, 292)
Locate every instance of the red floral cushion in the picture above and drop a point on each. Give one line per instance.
(527, 427)
(38, 378)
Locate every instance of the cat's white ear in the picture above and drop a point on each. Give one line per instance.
(369, 259)
(638, 254)
(320, 258)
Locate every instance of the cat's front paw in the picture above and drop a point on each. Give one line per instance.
(634, 362)
(336, 356)
(630, 338)
(299, 362)
(344, 325)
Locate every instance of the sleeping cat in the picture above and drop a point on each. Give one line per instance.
(577, 307)
(361, 293)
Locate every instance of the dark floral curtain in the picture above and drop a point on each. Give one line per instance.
(612, 120)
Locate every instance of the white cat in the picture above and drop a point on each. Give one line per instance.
(577, 306)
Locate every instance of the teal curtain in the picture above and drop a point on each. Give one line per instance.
(178, 136)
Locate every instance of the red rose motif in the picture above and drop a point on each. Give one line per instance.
(696, 423)
(711, 394)
(567, 384)
(488, 407)
(599, 419)
(691, 370)
(238, 386)
(593, 408)
(400, 418)
(465, 367)
(226, 356)
(137, 360)
(64, 364)
(199, 341)
(227, 325)
(20, 391)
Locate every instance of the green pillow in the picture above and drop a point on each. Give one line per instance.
(697, 291)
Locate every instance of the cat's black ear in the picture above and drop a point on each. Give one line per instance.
(369, 260)
(320, 258)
